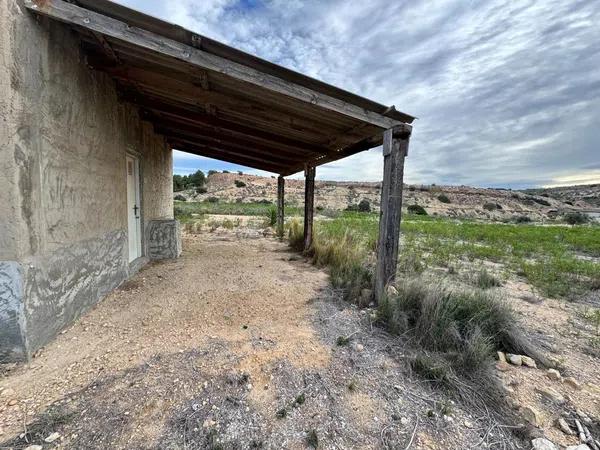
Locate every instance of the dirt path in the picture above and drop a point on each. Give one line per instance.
(234, 345)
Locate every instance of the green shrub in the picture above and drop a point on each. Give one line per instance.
(212, 172)
(576, 218)
(201, 190)
(443, 198)
(181, 214)
(239, 183)
(522, 219)
(296, 234)
(541, 201)
(272, 216)
(353, 208)
(364, 205)
(416, 209)
(212, 200)
(486, 280)
(462, 327)
(491, 206)
(180, 198)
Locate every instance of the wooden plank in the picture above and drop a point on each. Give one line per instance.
(206, 120)
(209, 137)
(395, 148)
(280, 205)
(195, 149)
(81, 17)
(309, 204)
(251, 113)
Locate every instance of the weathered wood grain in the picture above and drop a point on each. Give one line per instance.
(309, 203)
(395, 148)
(81, 17)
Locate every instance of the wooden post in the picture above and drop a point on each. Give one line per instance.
(280, 205)
(309, 201)
(395, 149)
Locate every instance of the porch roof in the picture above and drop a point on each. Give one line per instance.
(210, 99)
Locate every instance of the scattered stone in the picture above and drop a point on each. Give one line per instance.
(531, 415)
(563, 426)
(359, 347)
(404, 421)
(553, 374)
(529, 362)
(391, 291)
(515, 360)
(12, 402)
(51, 438)
(531, 298)
(572, 382)
(34, 447)
(543, 444)
(551, 395)
(502, 366)
(578, 447)
(468, 424)
(501, 356)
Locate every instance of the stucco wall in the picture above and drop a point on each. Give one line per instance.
(64, 138)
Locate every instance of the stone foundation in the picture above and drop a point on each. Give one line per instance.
(163, 239)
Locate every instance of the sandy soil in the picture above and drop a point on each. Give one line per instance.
(234, 345)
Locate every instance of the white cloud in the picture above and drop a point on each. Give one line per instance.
(506, 93)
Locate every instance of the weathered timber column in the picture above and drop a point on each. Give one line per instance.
(309, 202)
(395, 149)
(280, 205)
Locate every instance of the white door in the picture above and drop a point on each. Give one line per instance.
(134, 225)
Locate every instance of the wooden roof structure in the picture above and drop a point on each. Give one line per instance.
(212, 100)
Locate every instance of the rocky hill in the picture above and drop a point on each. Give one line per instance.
(451, 201)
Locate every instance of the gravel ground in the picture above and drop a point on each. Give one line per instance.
(235, 345)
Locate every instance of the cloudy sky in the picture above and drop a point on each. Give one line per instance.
(507, 93)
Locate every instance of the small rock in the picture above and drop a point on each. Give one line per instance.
(531, 415)
(12, 402)
(553, 374)
(7, 392)
(572, 382)
(502, 366)
(359, 347)
(515, 360)
(551, 395)
(501, 356)
(404, 421)
(578, 447)
(563, 426)
(543, 444)
(34, 447)
(391, 291)
(53, 437)
(529, 362)
(468, 424)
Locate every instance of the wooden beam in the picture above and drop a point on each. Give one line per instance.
(309, 203)
(268, 153)
(95, 22)
(280, 205)
(395, 149)
(201, 150)
(189, 90)
(191, 116)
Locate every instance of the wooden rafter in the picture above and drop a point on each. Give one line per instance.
(99, 23)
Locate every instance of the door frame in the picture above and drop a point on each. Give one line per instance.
(138, 202)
